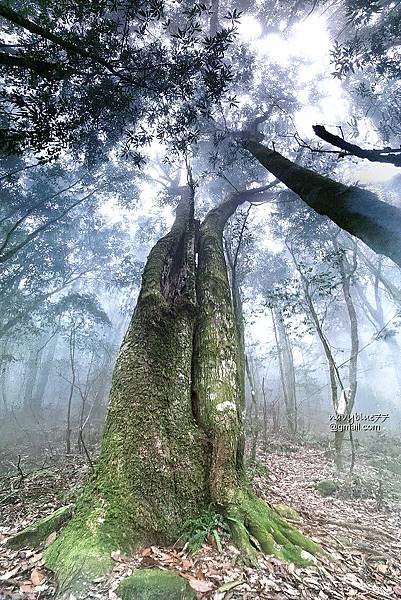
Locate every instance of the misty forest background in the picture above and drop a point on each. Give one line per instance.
(77, 225)
(91, 166)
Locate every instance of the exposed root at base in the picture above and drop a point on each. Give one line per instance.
(77, 558)
(257, 527)
(83, 550)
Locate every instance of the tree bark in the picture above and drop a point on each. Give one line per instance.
(218, 366)
(355, 210)
(151, 473)
(173, 439)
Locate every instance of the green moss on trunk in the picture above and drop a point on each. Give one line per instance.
(256, 526)
(218, 365)
(218, 382)
(152, 469)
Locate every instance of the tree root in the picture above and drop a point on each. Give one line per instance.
(255, 526)
(83, 550)
(77, 557)
(35, 534)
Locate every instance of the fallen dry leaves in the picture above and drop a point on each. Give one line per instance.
(363, 546)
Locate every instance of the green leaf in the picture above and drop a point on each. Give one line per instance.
(230, 585)
(217, 539)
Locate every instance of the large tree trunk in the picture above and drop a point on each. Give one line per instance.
(173, 438)
(152, 470)
(355, 210)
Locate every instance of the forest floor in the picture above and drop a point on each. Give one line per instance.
(359, 526)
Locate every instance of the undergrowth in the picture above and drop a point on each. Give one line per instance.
(209, 524)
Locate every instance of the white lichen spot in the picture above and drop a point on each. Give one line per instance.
(308, 556)
(223, 406)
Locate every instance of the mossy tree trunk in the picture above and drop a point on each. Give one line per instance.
(173, 438)
(218, 363)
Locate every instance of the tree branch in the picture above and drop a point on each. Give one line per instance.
(10, 253)
(40, 67)
(353, 209)
(387, 155)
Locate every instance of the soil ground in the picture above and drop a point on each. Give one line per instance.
(359, 527)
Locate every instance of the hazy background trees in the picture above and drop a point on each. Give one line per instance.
(84, 197)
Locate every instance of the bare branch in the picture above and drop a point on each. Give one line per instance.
(386, 155)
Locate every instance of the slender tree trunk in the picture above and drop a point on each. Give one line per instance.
(264, 413)
(287, 370)
(44, 374)
(346, 272)
(392, 289)
(377, 319)
(333, 372)
(31, 374)
(72, 349)
(84, 393)
(4, 364)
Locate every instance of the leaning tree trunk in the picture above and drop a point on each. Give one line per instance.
(354, 209)
(173, 439)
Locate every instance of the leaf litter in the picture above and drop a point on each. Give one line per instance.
(360, 536)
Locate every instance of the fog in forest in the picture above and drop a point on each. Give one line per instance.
(87, 191)
(64, 316)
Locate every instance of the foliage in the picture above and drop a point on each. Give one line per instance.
(88, 76)
(371, 44)
(326, 487)
(197, 530)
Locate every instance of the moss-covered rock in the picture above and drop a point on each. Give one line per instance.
(326, 487)
(155, 584)
(35, 534)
